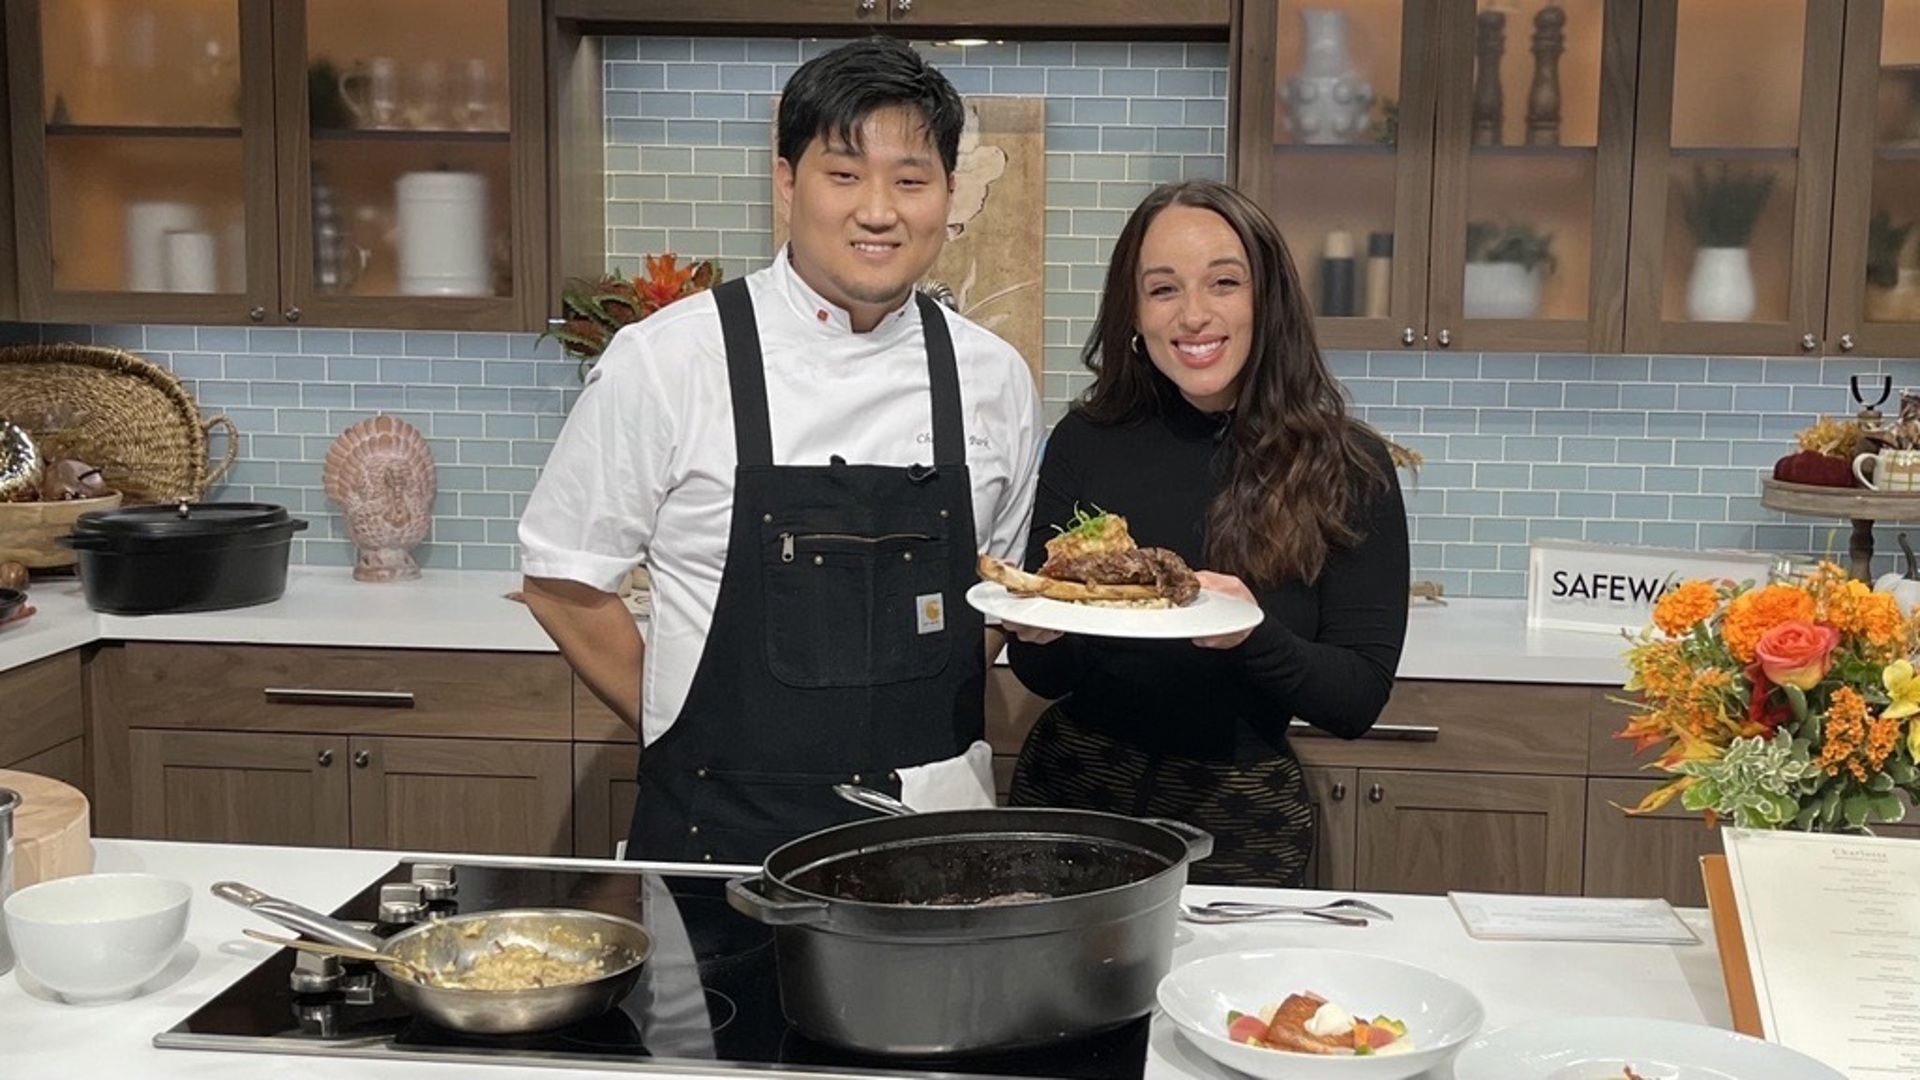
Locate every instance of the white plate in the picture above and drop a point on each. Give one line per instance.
(1440, 1014)
(1600, 1047)
(1211, 613)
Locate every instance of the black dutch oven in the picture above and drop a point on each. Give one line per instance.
(966, 931)
(143, 560)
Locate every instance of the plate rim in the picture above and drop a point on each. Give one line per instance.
(975, 596)
(1478, 1044)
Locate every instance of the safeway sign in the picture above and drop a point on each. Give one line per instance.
(1607, 588)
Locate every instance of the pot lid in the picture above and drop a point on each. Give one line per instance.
(180, 519)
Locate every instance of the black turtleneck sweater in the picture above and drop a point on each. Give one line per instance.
(1325, 652)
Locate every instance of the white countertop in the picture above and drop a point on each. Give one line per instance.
(1467, 639)
(44, 1039)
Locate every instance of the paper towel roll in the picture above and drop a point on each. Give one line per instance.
(148, 224)
(193, 261)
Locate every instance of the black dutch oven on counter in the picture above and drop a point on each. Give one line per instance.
(964, 931)
(144, 560)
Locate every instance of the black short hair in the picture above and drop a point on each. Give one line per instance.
(832, 95)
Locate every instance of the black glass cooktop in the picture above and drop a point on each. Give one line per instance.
(707, 999)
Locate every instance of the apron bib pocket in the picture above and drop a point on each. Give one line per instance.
(844, 610)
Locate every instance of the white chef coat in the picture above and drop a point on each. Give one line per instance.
(643, 469)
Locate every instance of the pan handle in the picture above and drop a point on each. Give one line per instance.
(1199, 841)
(294, 917)
(748, 895)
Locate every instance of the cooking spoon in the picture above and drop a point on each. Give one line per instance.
(414, 971)
(872, 800)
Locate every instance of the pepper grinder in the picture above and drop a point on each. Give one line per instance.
(1338, 275)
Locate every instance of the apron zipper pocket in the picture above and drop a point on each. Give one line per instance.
(787, 540)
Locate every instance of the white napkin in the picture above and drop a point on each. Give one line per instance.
(958, 783)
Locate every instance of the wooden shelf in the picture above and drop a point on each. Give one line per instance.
(1862, 506)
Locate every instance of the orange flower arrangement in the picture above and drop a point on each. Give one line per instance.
(596, 308)
(1781, 705)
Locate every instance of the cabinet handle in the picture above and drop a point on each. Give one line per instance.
(1408, 337)
(257, 314)
(325, 758)
(1808, 343)
(1444, 337)
(361, 758)
(292, 314)
(1382, 732)
(867, 6)
(1376, 793)
(1338, 792)
(388, 699)
(901, 7)
(1846, 343)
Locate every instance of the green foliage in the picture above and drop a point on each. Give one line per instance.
(1885, 240)
(1723, 205)
(1514, 243)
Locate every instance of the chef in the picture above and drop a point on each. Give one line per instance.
(807, 461)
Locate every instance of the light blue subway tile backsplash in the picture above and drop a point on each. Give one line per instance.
(1628, 449)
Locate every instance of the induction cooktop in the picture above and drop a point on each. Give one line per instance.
(708, 999)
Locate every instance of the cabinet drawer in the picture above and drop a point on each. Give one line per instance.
(40, 706)
(1478, 727)
(370, 691)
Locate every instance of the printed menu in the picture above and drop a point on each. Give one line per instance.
(1832, 930)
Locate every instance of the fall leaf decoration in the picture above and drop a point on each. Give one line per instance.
(596, 308)
(1834, 438)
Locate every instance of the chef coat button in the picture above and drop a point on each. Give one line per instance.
(708, 857)
(768, 518)
(907, 556)
(701, 772)
(693, 830)
(943, 513)
(856, 778)
(821, 314)
(819, 560)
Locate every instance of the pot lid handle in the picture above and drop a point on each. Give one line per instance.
(1199, 841)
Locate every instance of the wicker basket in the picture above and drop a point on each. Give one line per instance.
(27, 529)
(111, 409)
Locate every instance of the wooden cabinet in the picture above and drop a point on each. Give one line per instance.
(1497, 229)
(422, 750)
(1424, 832)
(278, 162)
(1336, 827)
(42, 719)
(604, 792)
(919, 16)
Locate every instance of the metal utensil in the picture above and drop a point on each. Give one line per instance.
(1345, 911)
(321, 948)
(872, 800)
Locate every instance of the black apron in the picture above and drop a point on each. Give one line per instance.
(842, 647)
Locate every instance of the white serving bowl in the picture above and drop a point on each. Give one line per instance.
(1583, 1047)
(1440, 1014)
(97, 937)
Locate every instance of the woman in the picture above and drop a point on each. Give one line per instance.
(1215, 427)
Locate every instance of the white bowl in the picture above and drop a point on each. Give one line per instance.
(97, 937)
(1584, 1047)
(1440, 1014)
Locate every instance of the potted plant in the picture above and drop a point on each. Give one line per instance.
(596, 308)
(1893, 291)
(1505, 267)
(1720, 209)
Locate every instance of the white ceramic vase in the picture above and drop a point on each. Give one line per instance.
(1721, 287)
(1500, 290)
(1326, 101)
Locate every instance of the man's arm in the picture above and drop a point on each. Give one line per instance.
(597, 635)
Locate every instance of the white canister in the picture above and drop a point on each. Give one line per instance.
(193, 261)
(148, 224)
(443, 234)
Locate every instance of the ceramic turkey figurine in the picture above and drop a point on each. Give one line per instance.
(380, 473)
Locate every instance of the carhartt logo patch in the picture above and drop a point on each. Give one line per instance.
(931, 609)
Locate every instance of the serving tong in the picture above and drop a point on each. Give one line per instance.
(1345, 911)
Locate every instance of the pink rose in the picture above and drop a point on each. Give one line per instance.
(1797, 653)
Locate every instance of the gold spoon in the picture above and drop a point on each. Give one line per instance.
(414, 971)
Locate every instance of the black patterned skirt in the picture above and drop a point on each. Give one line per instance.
(1259, 813)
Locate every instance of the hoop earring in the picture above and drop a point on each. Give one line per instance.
(1137, 345)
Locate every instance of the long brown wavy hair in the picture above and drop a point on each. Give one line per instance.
(1292, 450)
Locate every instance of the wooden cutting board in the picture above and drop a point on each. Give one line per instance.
(52, 836)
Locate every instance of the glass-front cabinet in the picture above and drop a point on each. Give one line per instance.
(1873, 297)
(1448, 174)
(1733, 175)
(275, 162)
